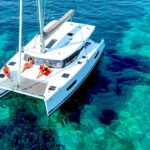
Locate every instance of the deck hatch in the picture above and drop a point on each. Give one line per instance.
(79, 62)
(87, 44)
(2, 75)
(70, 34)
(52, 88)
(71, 85)
(65, 75)
(12, 63)
(51, 43)
(83, 56)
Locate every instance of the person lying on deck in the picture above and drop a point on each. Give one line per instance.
(6, 71)
(44, 70)
(28, 64)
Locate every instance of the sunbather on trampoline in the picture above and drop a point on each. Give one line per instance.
(6, 71)
(28, 64)
(44, 70)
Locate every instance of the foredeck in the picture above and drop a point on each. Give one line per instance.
(28, 87)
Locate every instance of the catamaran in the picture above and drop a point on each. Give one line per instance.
(63, 44)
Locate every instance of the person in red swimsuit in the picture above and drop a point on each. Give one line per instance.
(6, 71)
(28, 64)
(44, 70)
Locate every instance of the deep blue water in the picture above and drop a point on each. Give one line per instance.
(111, 110)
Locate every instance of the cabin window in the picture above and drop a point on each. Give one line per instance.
(39, 61)
(71, 58)
(51, 43)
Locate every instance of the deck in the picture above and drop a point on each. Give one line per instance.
(28, 87)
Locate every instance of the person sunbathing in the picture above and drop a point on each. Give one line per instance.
(6, 71)
(44, 70)
(28, 64)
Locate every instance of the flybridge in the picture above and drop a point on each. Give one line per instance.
(63, 43)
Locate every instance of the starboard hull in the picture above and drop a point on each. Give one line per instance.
(63, 94)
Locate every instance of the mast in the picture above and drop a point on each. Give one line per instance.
(41, 26)
(20, 40)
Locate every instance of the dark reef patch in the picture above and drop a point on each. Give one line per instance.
(135, 62)
(25, 133)
(108, 116)
(103, 83)
(120, 64)
(128, 80)
(74, 116)
(118, 90)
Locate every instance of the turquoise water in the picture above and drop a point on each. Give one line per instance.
(111, 111)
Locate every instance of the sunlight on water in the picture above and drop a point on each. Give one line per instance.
(136, 40)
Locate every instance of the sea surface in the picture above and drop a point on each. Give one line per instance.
(111, 110)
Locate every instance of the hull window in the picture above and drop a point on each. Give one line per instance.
(96, 55)
(71, 85)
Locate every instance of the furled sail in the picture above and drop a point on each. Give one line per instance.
(57, 24)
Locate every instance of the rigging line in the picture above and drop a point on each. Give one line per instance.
(74, 4)
(83, 41)
(49, 8)
(78, 23)
(44, 12)
(81, 32)
(36, 5)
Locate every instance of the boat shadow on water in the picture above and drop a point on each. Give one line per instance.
(73, 106)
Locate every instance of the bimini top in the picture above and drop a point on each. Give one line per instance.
(68, 38)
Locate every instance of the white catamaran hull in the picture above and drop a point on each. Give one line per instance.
(64, 93)
(3, 92)
(70, 56)
(79, 71)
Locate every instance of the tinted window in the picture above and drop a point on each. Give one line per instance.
(71, 58)
(39, 61)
